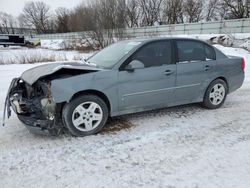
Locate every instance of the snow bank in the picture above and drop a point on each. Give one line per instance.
(53, 44)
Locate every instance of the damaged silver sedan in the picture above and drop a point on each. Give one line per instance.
(126, 77)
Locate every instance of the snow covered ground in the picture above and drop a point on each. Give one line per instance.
(22, 55)
(185, 146)
(60, 44)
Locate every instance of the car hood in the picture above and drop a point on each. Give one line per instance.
(30, 76)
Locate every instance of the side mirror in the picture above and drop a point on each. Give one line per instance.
(135, 64)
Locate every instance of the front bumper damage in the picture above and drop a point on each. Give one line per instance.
(34, 107)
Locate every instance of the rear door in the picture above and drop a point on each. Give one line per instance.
(196, 61)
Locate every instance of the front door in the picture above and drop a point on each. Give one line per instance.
(151, 85)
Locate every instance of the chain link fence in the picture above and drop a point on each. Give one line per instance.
(219, 27)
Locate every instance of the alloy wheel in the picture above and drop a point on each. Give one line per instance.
(217, 94)
(87, 116)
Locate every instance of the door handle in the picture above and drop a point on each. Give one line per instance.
(207, 67)
(168, 72)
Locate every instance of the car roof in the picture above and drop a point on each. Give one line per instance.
(145, 40)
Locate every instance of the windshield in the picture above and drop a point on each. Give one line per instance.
(110, 55)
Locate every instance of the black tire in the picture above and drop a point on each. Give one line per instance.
(71, 106)
(207, 102)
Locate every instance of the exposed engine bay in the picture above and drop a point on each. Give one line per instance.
(34, 105)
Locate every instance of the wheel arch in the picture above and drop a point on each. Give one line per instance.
(222, 78)
(93, 92)
(218, 78)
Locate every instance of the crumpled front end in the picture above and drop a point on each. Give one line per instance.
(34, 106)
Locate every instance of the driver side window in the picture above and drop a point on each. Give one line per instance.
(154, 54)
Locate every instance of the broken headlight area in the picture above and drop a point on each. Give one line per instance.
(34, 106)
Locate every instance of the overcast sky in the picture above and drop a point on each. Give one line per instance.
(15, 7)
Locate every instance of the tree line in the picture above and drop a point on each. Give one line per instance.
(99, 15)
(110, 14)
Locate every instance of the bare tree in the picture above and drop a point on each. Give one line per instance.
(237, 8)
(37, 15)
(193, 10)
(248, 7)
(102, 18)
(62, 20)
(133, 13)
(174, 11)
(151, 11)
(222, 10)
(74, 19)
(83, 17)
(212, 10)
(110, 19)
(7, 23)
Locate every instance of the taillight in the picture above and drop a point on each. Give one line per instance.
(243, 64)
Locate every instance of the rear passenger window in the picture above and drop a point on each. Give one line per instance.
(154, 54)
(210, 54)
(189, 51)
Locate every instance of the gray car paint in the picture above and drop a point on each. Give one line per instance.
(32, 75)
(149, 88)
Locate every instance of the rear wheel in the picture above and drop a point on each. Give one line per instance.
(85, 115)
(216, 94)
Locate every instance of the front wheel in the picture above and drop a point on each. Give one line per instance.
(216, 94)
(85, 115)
